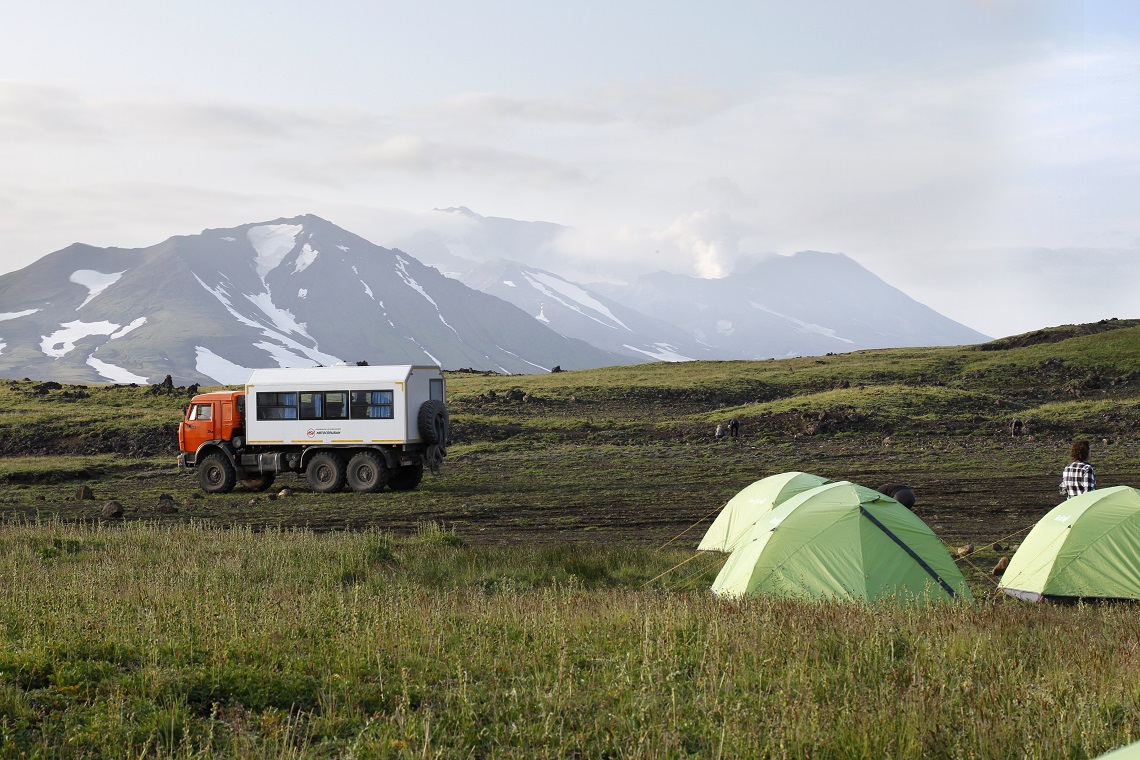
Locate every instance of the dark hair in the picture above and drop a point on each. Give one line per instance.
(1080, 451)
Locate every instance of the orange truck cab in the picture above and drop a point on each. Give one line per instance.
(211, 417)
(364, 427)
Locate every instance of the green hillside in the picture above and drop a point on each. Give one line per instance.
(1070, 380)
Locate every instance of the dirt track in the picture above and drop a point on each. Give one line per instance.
(969, 490)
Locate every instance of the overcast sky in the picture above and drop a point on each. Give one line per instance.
(916, 137)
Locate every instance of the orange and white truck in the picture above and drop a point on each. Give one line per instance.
(366, 427)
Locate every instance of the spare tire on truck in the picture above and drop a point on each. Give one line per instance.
(434, 423)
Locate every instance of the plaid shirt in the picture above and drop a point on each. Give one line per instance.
(1077, 478)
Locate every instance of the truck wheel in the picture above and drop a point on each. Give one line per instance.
(216, 474)
(258, 482)
(366, 472)
(434, 423)
(406, 478)
(325, 472)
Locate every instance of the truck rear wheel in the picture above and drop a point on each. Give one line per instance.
(258, 482)
(434, 423)
(406, 478)
(216, 474)
(366, 472)
(325, 472)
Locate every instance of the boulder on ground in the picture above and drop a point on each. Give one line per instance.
(284, 493)
(965, 550)
(111, 509)
(165, 505)
(1000, 567)
(84, 493)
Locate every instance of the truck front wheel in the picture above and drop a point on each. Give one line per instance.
(216, 474)
(325, 472)
(366, 473)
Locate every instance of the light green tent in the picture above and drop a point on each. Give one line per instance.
(841, 541)
(753, 502)
(1127, 752)
(1086, 547)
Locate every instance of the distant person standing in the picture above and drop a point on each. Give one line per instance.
(1078, 476)
(734, 427)
(719, 431)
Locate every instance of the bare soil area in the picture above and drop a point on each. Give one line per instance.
(970, 490)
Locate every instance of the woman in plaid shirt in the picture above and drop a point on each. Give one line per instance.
(1078, 476)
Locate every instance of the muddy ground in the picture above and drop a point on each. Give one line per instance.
(971, 490)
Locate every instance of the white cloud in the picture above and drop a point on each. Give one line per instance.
(680, 139)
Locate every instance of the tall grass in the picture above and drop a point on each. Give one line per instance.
(188, 641)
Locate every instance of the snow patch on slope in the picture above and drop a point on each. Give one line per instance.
(313, 353)
(95, 282)
(62, 341)
(512, 353)
(222, 371)
(664, 353)
(401, 269)
(806, 327)
(306, 257)
(4, 316)
(426, 352)
(282, 355)
(272, 242)
(134, 325)
(282, 319)
(556, 288)
(114, 373)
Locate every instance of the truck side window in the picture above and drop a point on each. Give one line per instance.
(372, 405)
(200, 412)
(276, 406)
(311, 406)
(435, 389)
(336, 405)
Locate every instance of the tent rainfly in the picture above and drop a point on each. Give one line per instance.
(753, 502)
(1087, 547)
(841, 541)
(1127, 752)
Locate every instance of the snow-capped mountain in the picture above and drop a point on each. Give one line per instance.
(298, 292)
(576, 311)
(293, 292)
(806, 304)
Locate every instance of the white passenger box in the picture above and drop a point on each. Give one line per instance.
(340, 405)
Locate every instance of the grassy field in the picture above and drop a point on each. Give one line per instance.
(522, 603)
(188, 641)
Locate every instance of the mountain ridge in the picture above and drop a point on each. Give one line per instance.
(299, 291)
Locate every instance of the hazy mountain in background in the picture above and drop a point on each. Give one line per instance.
(576, 311)
(454, 249)
(806, 304)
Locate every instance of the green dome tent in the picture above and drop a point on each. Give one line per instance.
(1127, 752)
(753, 502)
(841, 541)
(1085, 548)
